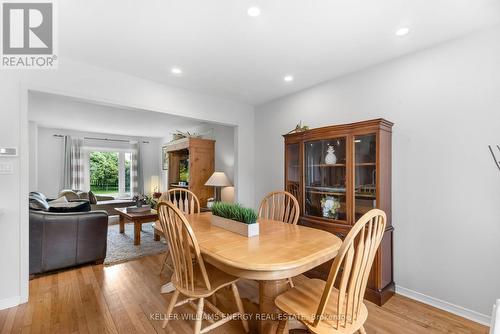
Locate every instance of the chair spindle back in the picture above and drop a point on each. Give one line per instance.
(355, 257)
(183, 246)
(183, 199)
(281, 206)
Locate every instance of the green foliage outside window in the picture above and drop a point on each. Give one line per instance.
(104, 172)
(127, 175)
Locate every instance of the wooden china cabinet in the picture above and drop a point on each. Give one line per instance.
(338, 173)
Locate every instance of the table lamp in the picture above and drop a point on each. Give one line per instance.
(218, 180)
(155, 188)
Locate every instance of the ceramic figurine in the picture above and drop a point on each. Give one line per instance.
(330, 158)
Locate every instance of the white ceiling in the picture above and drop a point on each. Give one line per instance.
(59, 112)
(224, 52)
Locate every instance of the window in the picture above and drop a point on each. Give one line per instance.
(110, 173)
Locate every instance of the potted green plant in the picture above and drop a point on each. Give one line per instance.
(235, 218)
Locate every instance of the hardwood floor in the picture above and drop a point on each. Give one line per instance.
(125, 298)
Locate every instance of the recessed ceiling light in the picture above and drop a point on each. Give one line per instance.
(288, 78)
(253, 11)
(402, 31)
(176, 71)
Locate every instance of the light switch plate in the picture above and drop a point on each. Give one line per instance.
(6, 167)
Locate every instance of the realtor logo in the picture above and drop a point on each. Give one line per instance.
(28, 35)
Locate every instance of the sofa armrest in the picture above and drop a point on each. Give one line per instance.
(60, 240)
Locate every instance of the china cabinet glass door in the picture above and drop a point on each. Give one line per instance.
(325, 179)
(365, 176)
(293, 173)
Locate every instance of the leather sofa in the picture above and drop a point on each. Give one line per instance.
(61, 240)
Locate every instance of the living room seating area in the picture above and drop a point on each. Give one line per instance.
(65, 234)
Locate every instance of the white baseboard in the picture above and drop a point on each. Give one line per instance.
(9, 302)
(445, 306)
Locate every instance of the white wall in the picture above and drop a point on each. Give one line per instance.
(224, 149)
(225, 156)
(33, 157)
(79, 80)
(48, 161)
(224, 137)
(445, 104)
(224, 146)
(163, 173)
(151, 163)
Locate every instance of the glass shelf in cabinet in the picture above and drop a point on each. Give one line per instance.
(369, 196)
(327, 189)
(328, 165)
(326, 219)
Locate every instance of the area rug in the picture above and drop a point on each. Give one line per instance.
(121, 245)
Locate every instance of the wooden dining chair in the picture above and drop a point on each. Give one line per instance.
(193, 278)
(281, 206)
(322, 307)
(184, 199)
(187, 202)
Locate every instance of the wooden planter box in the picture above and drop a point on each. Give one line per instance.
(248, 230)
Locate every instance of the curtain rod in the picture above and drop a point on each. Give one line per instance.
(105, 139)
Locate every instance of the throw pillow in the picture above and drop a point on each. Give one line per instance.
(61, 199)
(92, 198)
(69, 194)
(83, 206)
(37, 202)
(83, 195)
(39, 194)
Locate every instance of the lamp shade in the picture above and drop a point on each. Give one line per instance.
(218, 179)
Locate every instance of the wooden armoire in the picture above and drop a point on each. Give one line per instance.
(191, 162)
(338, 173)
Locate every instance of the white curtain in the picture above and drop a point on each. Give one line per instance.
(66, 168)
(73, 173)
(76, 162)
(136, 171)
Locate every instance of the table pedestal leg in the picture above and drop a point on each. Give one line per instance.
(137, 233)
(122, 224)
(157, 236)
(268, 291)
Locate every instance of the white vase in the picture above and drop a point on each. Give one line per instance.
(330, 158)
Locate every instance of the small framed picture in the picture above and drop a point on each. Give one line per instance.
(164, 158)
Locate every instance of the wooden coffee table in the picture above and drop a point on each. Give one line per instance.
(138, 218)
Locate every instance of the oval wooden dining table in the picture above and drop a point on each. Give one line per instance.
(280, 251)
